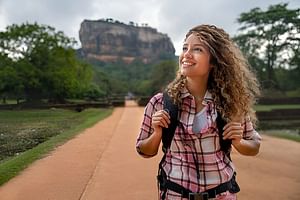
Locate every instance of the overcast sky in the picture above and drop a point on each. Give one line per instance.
(173, 17)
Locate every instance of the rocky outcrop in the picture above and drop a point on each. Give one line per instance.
(109, 41)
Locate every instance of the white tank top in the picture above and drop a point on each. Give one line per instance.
(200, 121)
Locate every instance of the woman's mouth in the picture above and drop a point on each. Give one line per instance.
(187, 64)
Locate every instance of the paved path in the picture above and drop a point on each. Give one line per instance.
(101, 164)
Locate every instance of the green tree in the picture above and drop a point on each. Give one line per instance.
(102, 81)
(45, 61)
(94, 92)
(10, 85)
(271, 40)
(161, 75)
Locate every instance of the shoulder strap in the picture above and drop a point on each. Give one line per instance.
(168, 133)
(225, 144)
(167, 137)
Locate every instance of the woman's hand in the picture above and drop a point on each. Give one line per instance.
(233, 131)
(149, 146)
(160, 119)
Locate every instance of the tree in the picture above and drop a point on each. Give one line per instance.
(101, 80)
(45, 61)
(10, 85)
(270, 39)
(161, 75)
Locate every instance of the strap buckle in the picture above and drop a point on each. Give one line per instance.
(198, 196)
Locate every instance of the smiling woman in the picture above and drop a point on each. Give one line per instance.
(214, 92)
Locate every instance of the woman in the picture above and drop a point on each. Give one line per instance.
(213, 79)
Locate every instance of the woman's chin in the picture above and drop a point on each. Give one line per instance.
(185, 72)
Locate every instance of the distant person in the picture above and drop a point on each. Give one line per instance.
(214, 92)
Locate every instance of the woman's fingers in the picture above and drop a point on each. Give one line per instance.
(160, 121)
(233, 135)
(232, 124)
(161, 118)
(233, 130)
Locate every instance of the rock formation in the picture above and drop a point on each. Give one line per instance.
(109, 41)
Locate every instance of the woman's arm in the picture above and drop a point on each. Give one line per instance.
(149, 146)
(247, 147)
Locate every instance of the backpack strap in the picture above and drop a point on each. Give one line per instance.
(168, 133)
(167, 137)
(224, 144)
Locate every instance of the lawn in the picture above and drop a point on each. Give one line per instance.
(271, 107)
(27, 135)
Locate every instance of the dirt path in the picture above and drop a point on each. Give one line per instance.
(101, 164)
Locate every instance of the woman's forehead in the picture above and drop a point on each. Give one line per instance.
(194, 39)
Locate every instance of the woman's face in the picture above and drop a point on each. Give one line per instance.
(194, 60)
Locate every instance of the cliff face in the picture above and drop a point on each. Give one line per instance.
(108, 41)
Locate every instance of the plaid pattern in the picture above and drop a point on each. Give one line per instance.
(194, 160)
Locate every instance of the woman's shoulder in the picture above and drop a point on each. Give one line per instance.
(156, 99)
(155, 102)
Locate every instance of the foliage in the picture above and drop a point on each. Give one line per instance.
(271, 41)
(38, 62)
(136, 77)
(162, 74)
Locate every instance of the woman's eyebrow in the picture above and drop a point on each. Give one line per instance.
(199, 44)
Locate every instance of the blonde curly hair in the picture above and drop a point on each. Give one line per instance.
(231, 82)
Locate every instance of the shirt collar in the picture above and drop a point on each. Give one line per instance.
(207, 97)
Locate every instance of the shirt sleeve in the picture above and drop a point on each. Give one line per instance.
(249, 131)
(146, 129)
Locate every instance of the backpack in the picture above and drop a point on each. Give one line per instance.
(167, 137)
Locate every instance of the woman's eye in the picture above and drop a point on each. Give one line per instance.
(197, 49)
(184, 48)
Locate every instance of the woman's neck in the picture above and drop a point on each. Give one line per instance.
(197, 87)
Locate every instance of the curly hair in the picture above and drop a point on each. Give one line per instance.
(231, 81)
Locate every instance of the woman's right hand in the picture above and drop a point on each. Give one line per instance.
(160, 119)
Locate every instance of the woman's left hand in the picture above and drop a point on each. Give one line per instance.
(233, 131)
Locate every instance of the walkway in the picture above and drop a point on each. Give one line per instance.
(101, 164)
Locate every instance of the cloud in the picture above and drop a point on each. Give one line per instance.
(63, 15)
(173, 17)
(178, 16)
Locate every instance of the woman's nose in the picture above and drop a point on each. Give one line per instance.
(187, 54)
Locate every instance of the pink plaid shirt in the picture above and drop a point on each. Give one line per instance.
(194, 160)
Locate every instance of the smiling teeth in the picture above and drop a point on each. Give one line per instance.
(187, 63)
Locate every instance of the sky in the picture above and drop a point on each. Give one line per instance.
(172, 17)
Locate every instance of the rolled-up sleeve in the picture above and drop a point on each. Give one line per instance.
(249, 131)
(146, 129)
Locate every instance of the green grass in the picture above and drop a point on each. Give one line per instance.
(293, 135)
(53, 126)
(270, 107)
(292, 124)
